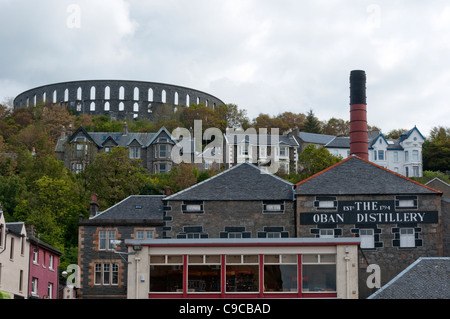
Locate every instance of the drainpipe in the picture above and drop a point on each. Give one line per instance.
(137, 259)
(347, 259)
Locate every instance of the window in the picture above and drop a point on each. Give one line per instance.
(145, 234)
(374, 155)
(319, 273)
(11, 252)
(367, 238)
(395, 156)
(415, 155)
(416, 171)
(166, 273)
(135, 152)
(404, 202)
(106, 274)
(242, 273)
(34, 286)
(406, 156)
(326, 233)
(273, 206)
(192, 207)
(407, 237)
(234, 235)
(50, 290)
(204, 273)
(50, 261)
(162, 151)
(35, 255)
(274, 235)
(280, 273)
(193, 235)
(105, 238)
(283, 151)
(381, 155)
(325, 202)
(262, 151)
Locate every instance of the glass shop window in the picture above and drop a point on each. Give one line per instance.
(204, 273)
(166, 273)
(318, 272)
(280, 273)
(242, 273)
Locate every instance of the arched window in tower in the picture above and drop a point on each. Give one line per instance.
(79, 93)
(136, 107)
(163, 96)
(176, 98)
(92, 106)
(150, 95)
(198, 100)
(121, 93)
(92, 93)
(107, 106)
(121, 106)
(66, 95)
(107, 93)
(136, 94)
(54, 96)
(187, 100)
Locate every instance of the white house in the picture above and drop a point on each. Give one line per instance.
(402, 155)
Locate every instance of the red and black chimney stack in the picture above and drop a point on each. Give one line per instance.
(359, 144)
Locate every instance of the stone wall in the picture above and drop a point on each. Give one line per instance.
(391, 258)
(222, 217)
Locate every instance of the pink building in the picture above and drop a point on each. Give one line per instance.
(44, 265)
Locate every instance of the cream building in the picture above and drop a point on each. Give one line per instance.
(14, 258)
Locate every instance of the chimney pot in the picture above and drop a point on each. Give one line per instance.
(93, 209)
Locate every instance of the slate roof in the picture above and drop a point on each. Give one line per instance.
(135, 207)
(426, 278)
(118, 138)
(315, 138)
(15, 227)
(244, 181)
(356, 176)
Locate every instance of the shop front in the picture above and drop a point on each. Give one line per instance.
(244, 268)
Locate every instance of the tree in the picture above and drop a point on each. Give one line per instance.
(114, 176)
(436, 150)
(51, 207)
(315, 159)
(336, 127)
(312, 124)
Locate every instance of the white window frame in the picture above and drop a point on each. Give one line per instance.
(105, 237)
(326, 233)
(135, 152)
(367, 237)
(407, 238)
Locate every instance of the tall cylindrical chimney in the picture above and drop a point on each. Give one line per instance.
(359, 144)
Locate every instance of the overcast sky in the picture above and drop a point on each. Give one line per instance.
(266, 56)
